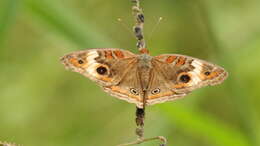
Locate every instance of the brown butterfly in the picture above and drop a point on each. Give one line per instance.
(143, 79)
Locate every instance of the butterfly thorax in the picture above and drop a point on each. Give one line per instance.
(144, 70)
(144, 60)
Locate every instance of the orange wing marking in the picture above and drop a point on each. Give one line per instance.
(180, 85)
(169, 93)
(213, 75)
(105, 78)
(170, 59)
(108, 54)
(119, 90)
(181, 61)
(119, 54)
(75, 62)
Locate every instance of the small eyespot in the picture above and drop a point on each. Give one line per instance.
(185, 78)
(156, 91)
(80, 61)
(134, 91)
(101, 70)
(207, 73)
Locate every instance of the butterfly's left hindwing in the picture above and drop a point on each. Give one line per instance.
(160, 90)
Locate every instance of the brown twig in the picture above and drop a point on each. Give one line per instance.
(141, 46)
(139, 24)
(138, 31)
(140, 113)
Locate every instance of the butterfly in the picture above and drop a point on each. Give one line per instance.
(143, 79)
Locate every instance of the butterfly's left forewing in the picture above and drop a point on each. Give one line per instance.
(177, 75)
(184, 72)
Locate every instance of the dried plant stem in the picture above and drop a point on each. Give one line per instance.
(139, 24)
(138, 31)
(140, 112)
(140, 130)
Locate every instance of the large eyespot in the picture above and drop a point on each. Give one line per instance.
(101, 70)
(184, 78)
(80, 61)
(134, 91)
(155, 91)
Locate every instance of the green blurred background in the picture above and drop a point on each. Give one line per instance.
(42, 104)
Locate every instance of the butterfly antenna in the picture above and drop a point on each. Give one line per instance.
(155, 27)
(125, 26)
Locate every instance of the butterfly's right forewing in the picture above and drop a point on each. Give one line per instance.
(104, 66)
